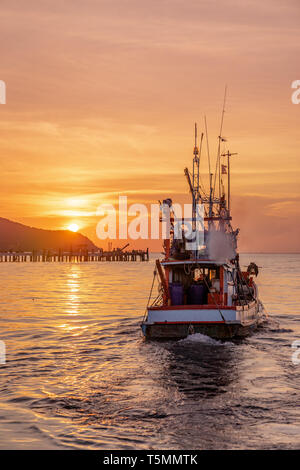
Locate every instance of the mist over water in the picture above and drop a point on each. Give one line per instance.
(79, 375)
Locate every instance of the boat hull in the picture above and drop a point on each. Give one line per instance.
(180, 331)
(180, 321)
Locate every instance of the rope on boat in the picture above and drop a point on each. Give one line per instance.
(150, 295)
(213, 296)
(256, 299)
(244, 281)
(237, 290)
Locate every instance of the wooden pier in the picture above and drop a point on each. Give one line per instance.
(73, 256)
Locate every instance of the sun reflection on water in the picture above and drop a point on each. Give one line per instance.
(72, 289)
(72, 300)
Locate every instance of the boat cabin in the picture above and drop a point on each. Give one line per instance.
(191, 283)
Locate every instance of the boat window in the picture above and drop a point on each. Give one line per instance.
(212, 274)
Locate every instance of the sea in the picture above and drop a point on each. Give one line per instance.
(79, 375)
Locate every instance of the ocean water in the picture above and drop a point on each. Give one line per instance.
(78, 374)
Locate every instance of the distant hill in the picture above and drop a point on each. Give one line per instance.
(15, 236)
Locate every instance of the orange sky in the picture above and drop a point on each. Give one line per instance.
(102, 97)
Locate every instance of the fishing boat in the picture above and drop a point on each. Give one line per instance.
(201, 285)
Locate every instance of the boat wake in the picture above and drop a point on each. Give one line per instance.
(200, 338)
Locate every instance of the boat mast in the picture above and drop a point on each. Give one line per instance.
(196, 177)
(210, 175)
(228, 155)
(220, 138)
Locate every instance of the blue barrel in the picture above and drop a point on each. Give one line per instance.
(197, 294)
(176, 293)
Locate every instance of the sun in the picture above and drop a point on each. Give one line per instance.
(73, 227)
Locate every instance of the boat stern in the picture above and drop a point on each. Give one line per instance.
(181, 321)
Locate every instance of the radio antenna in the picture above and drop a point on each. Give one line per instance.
(218, 161)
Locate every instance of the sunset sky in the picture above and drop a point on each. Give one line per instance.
(102, 97)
